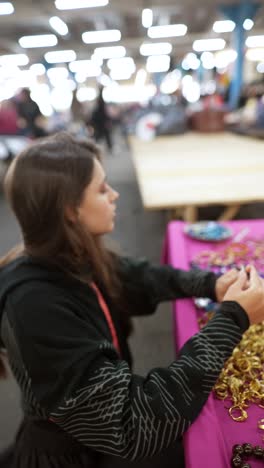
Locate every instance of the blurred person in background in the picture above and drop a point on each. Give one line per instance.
(30, 118)
(101, 121)
(8, 118)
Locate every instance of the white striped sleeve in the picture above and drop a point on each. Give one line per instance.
(123, 414)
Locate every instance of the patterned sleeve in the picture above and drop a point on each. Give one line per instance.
(82, 385)
(146, 285)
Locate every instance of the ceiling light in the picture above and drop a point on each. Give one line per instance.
(118, 75)
(255, 41)
(6, 8)
(158, 48)
(38, 69)
(225, 57)
(248, 24)
(260, 67)
(58, 73)
(58, 25)
(147, 17)
(158, 63)
(104, 80)
(255, 55)
(125, 63)
(85, 68)
(208, 60)
(208, 44)
(86, 94)
(60, 56)
(44, 40)
(171, 82)
(76, 4)
(110, 52)
(191, 62)
(128, 93)
(14, 59)
(171, 30)
(224, 26)
(141, 77)
(92, 37)
(93, 70)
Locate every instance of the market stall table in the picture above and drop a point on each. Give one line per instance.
(187, 171)
(209, 441)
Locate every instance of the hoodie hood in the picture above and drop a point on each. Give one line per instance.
(24, 270)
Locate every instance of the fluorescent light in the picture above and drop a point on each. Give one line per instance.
(171, 30)
(191, 62)
(208, 60)
(76, 4)
(43, 40)
(141, 77)
(147, 17)
(104, 80)
(86, 94)
(191, 90)
(57, 73)
(225, 57)
(60, 56)
(92, 37)
(85, 67)
(25, 79)
(260, 67)
(255, 55)
(224, 26)
(171, 82)
(255, 41)
(6, 8)
(110, 52)
(60, 98)
(203, 45)
(118, 75)
(125, 63)
(38, 69)
(158, 48)
(158, 63)
(58, 25)
(128, 93)
(14, 59)
(248, 24)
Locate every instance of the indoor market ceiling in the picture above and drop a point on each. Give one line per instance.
(31, 17)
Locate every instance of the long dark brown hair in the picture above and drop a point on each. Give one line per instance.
(50, 175)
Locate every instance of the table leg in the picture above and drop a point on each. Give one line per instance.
(229, 213)
(190, 214)
(176, 213)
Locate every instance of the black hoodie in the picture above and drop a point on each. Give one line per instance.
(59, 347)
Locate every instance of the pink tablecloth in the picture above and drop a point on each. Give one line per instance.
(208, 443)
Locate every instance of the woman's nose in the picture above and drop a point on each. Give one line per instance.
(114, 195)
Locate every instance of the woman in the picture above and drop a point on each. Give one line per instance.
(65, 307)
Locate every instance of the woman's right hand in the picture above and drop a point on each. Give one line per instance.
(248, 291)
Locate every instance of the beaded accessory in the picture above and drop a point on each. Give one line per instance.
(241, 454)
(234, 255)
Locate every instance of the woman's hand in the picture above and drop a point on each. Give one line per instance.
(224, 282)
(248, 291)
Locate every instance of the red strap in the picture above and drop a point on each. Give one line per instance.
(108, 317)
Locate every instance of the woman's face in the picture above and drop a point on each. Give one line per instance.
(98, 209)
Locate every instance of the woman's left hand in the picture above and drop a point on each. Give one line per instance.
(223, 283)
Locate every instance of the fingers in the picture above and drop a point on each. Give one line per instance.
(231, 275)
(254, 278)
(241, 279)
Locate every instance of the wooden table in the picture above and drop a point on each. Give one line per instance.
(182, 173)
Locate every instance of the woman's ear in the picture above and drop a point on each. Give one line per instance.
(70, 214)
